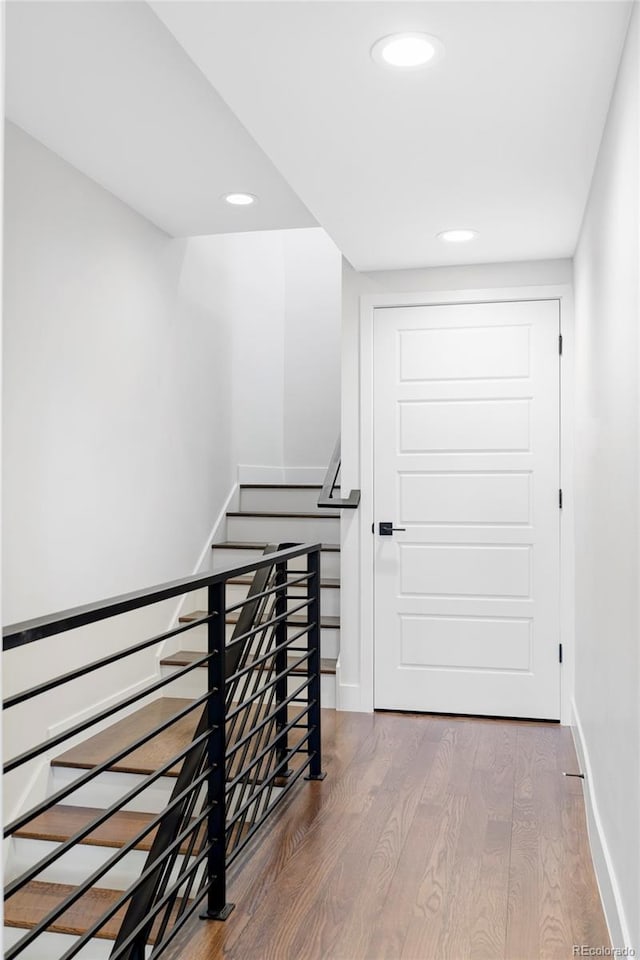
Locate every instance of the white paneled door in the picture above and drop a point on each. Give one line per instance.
(466, 461)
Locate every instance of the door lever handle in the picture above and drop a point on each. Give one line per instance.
(387, 529)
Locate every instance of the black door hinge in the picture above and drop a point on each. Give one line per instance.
(560, 344)
(560, 499)
(559, 653)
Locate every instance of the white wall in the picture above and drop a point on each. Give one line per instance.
(117, 452)
(286, 297)
(352, 693)
(2, 81)
(257, 308)
(117, 399)
(607, 693)
(311, 348)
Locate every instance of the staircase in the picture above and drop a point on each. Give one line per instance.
(273, 513)
(43, 834)
(174, 715)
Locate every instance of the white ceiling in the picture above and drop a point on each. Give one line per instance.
(106, 86)
(501, 135)
(281, 99)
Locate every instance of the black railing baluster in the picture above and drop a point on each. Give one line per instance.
(314, 715)
(217, 906)
(281, 659)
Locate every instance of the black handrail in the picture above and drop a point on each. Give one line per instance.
(326, 498)
(17, 634)
(239, 751)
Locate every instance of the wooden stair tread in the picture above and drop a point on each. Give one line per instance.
(283, 514)
(63, 821)
(31, 904)
(242, 545)
(328, 582)
(184, 657)
(148, 757)
(295, 620)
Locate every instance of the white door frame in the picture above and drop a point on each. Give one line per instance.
(368, 305)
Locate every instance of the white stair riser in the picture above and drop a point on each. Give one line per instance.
(229, 558)
(194, 684)
(197, 600)
(266, 499)
(80, 862)
(49, 946)
(196, 639)
(109, 787)
(251, 529)
(329, 597)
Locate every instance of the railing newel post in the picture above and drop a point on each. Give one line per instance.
(314, 744)
(217, 906)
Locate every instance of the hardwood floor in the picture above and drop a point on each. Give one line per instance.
(432, 838)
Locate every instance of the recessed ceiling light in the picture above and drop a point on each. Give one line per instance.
(240, 199)
(457, 236)
(407, 51)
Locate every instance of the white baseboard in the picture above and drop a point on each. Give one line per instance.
(88, 712)
(216, 535)
(304, 474)
(347, 694)
(602, 861)
(252, 473)
(33, 792)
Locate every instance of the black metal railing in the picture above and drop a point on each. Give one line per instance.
(326, 498)
(256, 731)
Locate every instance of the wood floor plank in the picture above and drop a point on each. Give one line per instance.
(431, 896)
(379, 841)
(474, 918)
(488, 926)
(581, 902)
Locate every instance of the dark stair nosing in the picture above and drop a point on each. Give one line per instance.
(280, 486)
(295, 620)
(281, 515)
(242, 545)
(329, 583)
